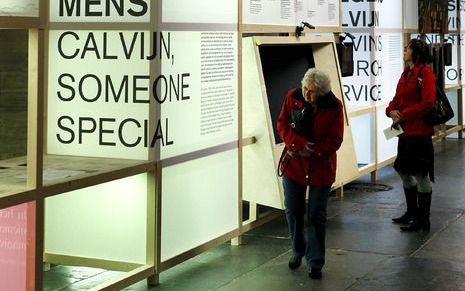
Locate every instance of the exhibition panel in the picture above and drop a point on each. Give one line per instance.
(17, 243)
(269, 12)
(93, 108)
(197, 91)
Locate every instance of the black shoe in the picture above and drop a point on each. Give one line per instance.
(404, 219)
(315, 274)
(295, 262)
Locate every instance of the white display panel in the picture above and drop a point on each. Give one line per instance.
(28, 8)
(390, 61)
(98, 94)
(386, 148)
(205, 11)
(99, 11)
(205, 115)
(318, 12)
(199, 202)
(390, 13)
(363, 135)
(411, 14)
(358, 14)
(106, 221)
(285, 12)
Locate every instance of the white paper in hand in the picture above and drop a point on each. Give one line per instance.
(391, 132)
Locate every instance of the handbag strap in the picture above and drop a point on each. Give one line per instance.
(281, 161)
(420, 83)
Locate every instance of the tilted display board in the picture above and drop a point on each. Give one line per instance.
(267, 77)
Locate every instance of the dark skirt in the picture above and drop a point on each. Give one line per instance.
(415, 155)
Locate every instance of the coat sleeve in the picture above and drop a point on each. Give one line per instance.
(394, 104)
(333, 140)
(293, 141)
(428, 97)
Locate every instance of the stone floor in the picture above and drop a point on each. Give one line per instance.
(365, 251)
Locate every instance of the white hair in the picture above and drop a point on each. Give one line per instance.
(319, 78)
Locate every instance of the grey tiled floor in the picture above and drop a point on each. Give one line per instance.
(365, 251)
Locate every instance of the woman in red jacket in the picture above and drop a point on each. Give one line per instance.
(414, 98)
(311, 124)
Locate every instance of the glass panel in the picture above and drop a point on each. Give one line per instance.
(17, 245)
(95, 234)
(102, 222)
(13, 109)
(19, 8)
(199, 201)
(363, 134)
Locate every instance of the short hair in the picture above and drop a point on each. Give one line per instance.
(420, 51)
(319, 78)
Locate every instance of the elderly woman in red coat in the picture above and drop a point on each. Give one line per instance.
(311, 124)
(415, 153)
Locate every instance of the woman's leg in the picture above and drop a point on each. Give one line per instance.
(410, 192)
(424, 204)
(294, 202)
(315, 253)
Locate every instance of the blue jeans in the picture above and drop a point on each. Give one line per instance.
(313, 247)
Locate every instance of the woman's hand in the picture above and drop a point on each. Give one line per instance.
(395, 115)
(306, 151)
(396, 123)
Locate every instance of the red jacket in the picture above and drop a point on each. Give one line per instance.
(407, 100)
(327, 126)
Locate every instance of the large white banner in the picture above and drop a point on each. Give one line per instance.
(19, 8)
(99, 93)
(99, 11)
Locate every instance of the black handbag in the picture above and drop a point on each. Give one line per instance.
(442, 111)
(345, 54)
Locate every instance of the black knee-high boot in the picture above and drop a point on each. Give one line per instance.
(422, 221)
(412, 206)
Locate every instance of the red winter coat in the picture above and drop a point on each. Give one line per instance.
(327, 127)
(407, 100)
